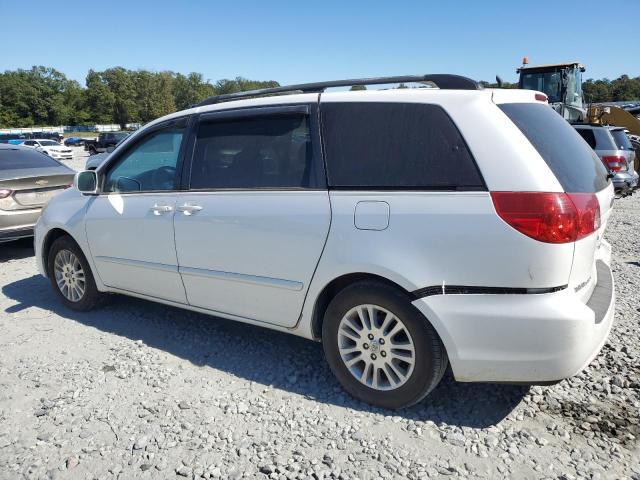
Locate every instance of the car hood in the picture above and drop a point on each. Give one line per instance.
(55, 149)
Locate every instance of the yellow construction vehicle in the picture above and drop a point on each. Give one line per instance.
(562, 83)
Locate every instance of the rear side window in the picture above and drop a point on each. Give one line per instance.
(395, 145)
(588, 136)
(16, 159)
(575, 165)
(621, 139)
(261, 152)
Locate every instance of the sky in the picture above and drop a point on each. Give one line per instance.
(306, 41)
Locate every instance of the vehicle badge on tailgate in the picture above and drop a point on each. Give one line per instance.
(42, 182)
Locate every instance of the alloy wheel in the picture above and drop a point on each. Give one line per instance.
(69, 275)
(376, 347)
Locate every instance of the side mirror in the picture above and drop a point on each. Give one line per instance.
(86, 182)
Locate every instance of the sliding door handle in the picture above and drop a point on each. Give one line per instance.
(189, 208)
(161, 209)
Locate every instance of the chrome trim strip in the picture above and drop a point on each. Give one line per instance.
(139, 263)
(241, 277)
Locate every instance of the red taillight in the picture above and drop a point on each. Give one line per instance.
(549, 217)
(614, 162)
(541, 97)
(5, 192)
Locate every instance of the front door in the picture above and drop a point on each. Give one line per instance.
(252, 226)
(130, 224)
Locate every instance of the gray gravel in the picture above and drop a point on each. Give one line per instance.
(141, 390)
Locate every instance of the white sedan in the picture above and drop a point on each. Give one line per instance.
(51, 148)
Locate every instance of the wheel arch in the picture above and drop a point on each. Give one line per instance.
(335, 286)
(51, 236)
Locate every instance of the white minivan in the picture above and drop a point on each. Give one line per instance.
(405, 229)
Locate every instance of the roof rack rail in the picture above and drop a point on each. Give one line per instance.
(441, 80)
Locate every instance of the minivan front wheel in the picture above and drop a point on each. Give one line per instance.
(381, 349)
(71, 275)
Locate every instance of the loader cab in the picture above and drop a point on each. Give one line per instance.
(562, 83)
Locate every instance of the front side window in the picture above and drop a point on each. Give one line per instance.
(254, 152)
(150, 165)
(395, 145)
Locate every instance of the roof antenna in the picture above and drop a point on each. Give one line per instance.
(499, 81)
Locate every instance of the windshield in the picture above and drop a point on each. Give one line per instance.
(121, 136)
(550, 83)
(49, 143)
(574, 87)
(17, 159)
(621, 139)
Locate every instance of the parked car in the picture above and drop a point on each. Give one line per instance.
(50, 147)
(74, 141)
(104, 141)
(28, 179)
(618, 160)
(94, 161)
(408, 230)
(635, 143)
(623, 142)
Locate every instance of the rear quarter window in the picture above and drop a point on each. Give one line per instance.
(572, 161)
(621, 139)
(372, 145)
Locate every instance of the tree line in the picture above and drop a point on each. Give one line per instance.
(44, 96)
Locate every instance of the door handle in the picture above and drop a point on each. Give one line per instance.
(161, 209)
(189, 208)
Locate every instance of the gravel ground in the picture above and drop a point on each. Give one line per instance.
(141, 390)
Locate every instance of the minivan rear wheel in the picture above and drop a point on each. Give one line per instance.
(380, 347)
(71, 276)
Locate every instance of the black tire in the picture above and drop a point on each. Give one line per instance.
(92, 151)
(91, 297)
(430, 355)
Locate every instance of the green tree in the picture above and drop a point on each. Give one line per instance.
(154, 94)
(240, 84)
(190, 90)
(355, 88)
(121, 84)
(100, 99)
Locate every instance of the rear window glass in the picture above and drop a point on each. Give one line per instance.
(621, 139)
(15, 159)
(395, 145)
(574, 163)
(588, 136)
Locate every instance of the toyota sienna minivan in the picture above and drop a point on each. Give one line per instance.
(408, 230)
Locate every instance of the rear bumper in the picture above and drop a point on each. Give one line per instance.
(16, 224)
(625, 182)
(15, 234)
(528, 338)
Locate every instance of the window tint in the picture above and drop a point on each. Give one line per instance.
(18, 158)
(150, 165)
(604, 139)
(261, 152)
(588, 136)
(575, 165)
(621, 139)
(395, 145)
